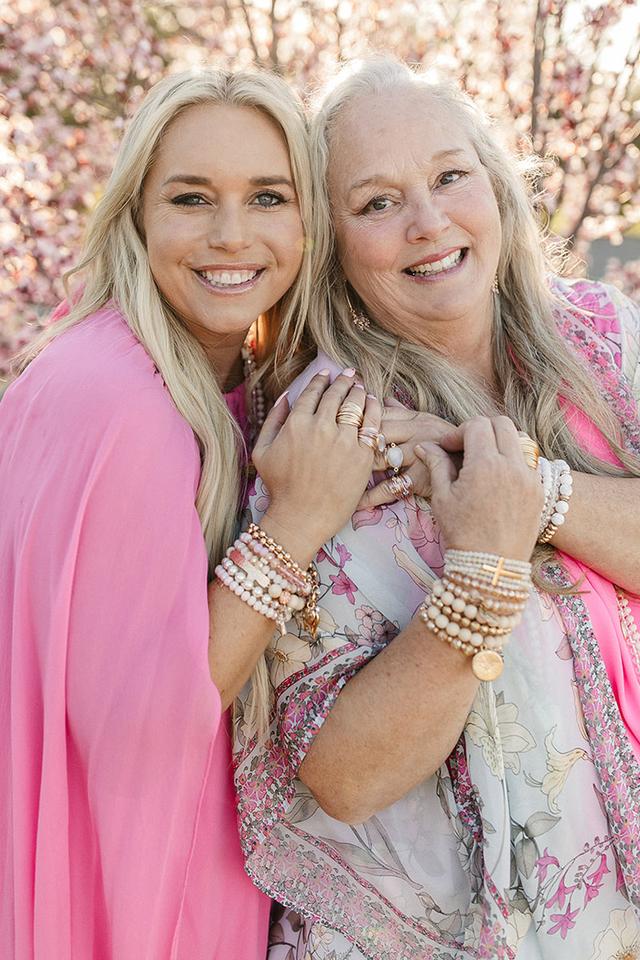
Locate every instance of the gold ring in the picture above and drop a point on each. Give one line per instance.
(400, 485)
(366, 441)
(394, 457)
(380, 444)
(530, 450)
(350, 413)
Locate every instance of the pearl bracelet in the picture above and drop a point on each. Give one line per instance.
(557, 474)
(265, 577)
(471, 610)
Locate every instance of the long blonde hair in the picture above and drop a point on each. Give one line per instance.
(115, 266)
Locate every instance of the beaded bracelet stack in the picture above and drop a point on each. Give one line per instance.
(262, 574)
(558, 486)
(476, 604)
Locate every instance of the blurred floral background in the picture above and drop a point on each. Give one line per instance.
(560, 76)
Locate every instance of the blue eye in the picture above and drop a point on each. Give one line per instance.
(189, 200)
(377, 205)
(455, 174)
(268, 200)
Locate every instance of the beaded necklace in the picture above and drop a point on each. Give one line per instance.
(256, 404)
(630, 630)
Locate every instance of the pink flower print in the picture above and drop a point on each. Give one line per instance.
(423, 534)
(342, 585)
(374, 627)
(544, 862)
(564, 922)
(599, 872)
(591, 891)
(561, 894)
(343, 553)
(366, 518)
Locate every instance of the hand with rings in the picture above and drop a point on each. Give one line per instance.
(401, 430)
(312, 459)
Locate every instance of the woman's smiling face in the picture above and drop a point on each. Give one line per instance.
(221, 219)
(417, 223)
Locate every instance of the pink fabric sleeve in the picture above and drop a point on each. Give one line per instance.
(107, 708)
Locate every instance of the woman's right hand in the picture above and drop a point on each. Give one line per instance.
(315, 470)
(494, 501)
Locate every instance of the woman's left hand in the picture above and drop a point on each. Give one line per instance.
(406, 429)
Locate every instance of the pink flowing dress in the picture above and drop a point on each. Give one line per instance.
(118, 833)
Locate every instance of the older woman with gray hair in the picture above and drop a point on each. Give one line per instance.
(452, 767)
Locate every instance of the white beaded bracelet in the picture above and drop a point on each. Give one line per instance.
(557, 503)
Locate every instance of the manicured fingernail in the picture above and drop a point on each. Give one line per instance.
(372, 396)
(324, 373)
(358, 386)
(420, 450)
(281, 397)
(349, 372)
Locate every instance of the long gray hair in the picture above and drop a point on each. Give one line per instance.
(531, 358)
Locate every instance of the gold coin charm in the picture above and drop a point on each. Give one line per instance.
(487, 665)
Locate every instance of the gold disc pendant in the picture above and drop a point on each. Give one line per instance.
(487, 665)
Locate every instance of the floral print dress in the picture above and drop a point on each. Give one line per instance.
(526, 843)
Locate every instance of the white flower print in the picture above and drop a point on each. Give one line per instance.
(288, 655)
(621, 940)
(493, 726)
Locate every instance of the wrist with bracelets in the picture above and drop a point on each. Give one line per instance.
(558, 487)
(264, 576)
(476, 604)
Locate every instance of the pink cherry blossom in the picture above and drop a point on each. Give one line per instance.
(72, 75)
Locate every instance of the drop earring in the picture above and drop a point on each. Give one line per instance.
(360, 319)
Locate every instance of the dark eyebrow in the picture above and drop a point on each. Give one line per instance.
(378, 177)
(205, 182)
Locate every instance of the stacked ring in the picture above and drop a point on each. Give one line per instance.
(394, 457)
(350, 413)
(372, 438)
(530, 449)
(400, 485)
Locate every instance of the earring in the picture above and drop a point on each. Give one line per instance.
(360, 319)
(495, 286)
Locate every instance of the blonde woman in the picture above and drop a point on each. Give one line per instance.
(464, 778)
(123, 449)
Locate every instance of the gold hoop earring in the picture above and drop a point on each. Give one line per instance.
(360, 319)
